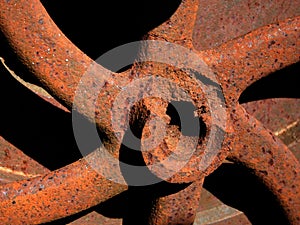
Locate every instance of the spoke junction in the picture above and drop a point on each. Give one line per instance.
(61, 68)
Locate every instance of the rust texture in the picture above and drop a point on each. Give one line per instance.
(222, 21)
(267, 111)
(15, 165)
(237, 62)
(54, 195)
(241, 62)
(54, 60)
(178, 208)
(269, 158)
(281, 116)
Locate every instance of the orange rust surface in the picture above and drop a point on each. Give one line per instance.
(17, 162)
(259, 149)
(178, 208)
(242, 61)
(59, 65)
(222, 21)
(57, 194)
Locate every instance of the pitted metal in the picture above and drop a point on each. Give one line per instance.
(237, 63)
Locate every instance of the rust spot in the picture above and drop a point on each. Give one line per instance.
(238, 60)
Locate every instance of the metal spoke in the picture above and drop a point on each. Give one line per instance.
(57, 194)
(242, 61)
(116, 102)
(178, 208)
(179, 28)
(258, 149)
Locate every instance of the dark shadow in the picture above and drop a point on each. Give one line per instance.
(115, 207)
(133, 205)
(239, 188)
(283, 83)
(45, 133)
(98, 26)
(35, 126)
(141, 201)
(232, 184)
(132, 164)
(140, 198)
(182, 115)
(13, 62)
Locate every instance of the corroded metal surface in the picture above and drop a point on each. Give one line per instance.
(237, 63)
(269, 158)
(15, 165)
(178, 208)
(281, 116)
(211, 211)
(222, 21)
(243, 61)
(55, 195)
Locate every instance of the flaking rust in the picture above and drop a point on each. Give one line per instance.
(237, 62)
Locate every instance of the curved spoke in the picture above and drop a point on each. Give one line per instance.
(258, 149)
(178, 208)
(15, 165)
(60, 67)
(66, 191)
(179, 28)
(244, 60)
(58, 63)
(44, 49)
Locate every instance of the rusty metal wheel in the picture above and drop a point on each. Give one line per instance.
(232, 64)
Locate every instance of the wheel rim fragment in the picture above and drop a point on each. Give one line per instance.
(249, 58)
